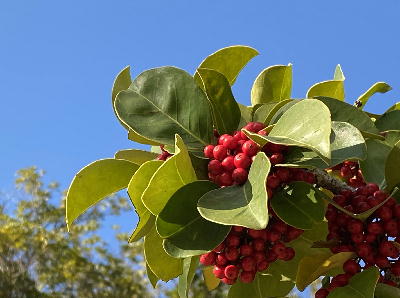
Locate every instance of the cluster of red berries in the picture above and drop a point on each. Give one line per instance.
(351, 173)
(372, 240)
(245, 251)
(164, 155)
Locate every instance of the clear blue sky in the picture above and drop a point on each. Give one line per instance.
(58, 60)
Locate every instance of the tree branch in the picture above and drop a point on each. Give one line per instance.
(329, 182)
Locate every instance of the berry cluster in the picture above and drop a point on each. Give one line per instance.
(246, 251)
(351, 173)
(372, 240)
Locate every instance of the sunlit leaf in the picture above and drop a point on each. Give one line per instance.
(389, 121)
(380, 87)
(392, 166)
(210, 279)
(136, 156)
(185, 280)
(333, 89)
(266, 111)
(152, 277)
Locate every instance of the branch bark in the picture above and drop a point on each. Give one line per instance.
(329, 182)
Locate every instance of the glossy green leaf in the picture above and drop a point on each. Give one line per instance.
(267, 111)
(246, 115)
(95, 182)
(392, 137)
(210, 280)
(136, 156)
(272, 84)
(151, 276)
(121, 82)
(225, 109)
(135, 137)
(299, 205)
(136, 187)
(333, 89)
(380, 87)
(229, 61)
(200, 166)
(312, 132)
(392, 166)
(164, 101)
(254, 289)
(185, 280)
(161, 264)
(344, 112)
(389, 121)
(346, 141)
(313, 266)
(361, 285)
(244, 205)
(369, 135)
(338, 75)
(386, 291)
(278, 114)
(174, 173)
(373, 167)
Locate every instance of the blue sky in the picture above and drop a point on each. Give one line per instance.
(58, 60)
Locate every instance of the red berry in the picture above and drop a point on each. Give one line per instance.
(384, 212)
(363, 250)
(228, 163)
(222, 138)
(242, 161)
(231, 253)
(321, 293)
(208, 259)
(280, 227)
(228, 281)
(259, 256)
(263, 265)
(220, 152)
(259, 245)
(375, 228)
(208, 151)
(220, 247)
(380, 195)
(226, 179)
(289, 254)
(237, 136)
(232, 240)
(254, 233)
(248, 263)
(387, 249)
(382, 262)
(239, 175)
(371, 188)
(219, 272)
(221, 260)
(238, 229)
(247, 276)
(283, 174)
(215, 167)
(273, 181)
(230, 142)
(345, 172)
(231, 271)
(279, 248)
(273, 236)
(351, 267)
(250, 148)
(246, 250)
(276, 158)
(355, 226)
(357, 238)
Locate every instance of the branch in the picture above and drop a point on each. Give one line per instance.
(329, 182)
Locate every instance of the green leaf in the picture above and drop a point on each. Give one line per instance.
(369, 135)
(185, 280)
(136, 187)
(225, 109)
(210, 280)
(272, 84)
(392, 164)
(121, 82)
(266, 111)
(163, 101)
(392, 137)
(313, 266)
(135, 137)
(253, 290)
(200, 166)
(333, 89)
(361, 285)
(338, 75)
(136, 156)
(229, 61)
(161, 264)
(394, 107)
(386, 291)
(299, 205)
(152, 277)
(278, 114)
(373, 167)
(95, 182)
(244, 205)
(389, 121)
(312, 132)
(380, 87)
(341, 111)
(174, 173)
(346, 143)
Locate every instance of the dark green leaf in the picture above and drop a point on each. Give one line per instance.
(341, 111)
(164, 101)
(244, 205)
(95, 182)
(312, 132)
(272, 84)
(373, 167)
(225, 109)
(361, 285)
(299, 205)
(266, 111)
(136, 187)
(136, 156)
(246, 115)
(200, 166)
(185, 280)
(174, 173)
(392, 166)
(380, 87)
(333, 89)
(392, 137)
(229, 61)
(389, 121)
(386, 291)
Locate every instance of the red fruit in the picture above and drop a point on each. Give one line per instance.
(228, 281)
(237, 136)
(351, 267)
(228, 163)
(355, 226)
(289, 254)
(280, 227)
(247, 276)
(276, 158)
(384, 212)
(238, 229)
(380, 195)
(391, 228)
(259, 245)
(262, 133)
(232, 240)
(397, 211)
(370, 238)
(382, 262)
(375, 228)
(273, 181)
(341, 279)
(254, 126)
(279, 248)
(283, 174)
(248, 263)
(273, 236)
(208, 259)
(226, 179)
(208, 151)
(231, 271)
(387, 249)
(254, 233)
(363, 250)
(221, 260)
(230, 142)
(259, 256)
(371, 188)
(321, 293)
(215, 167)
(239, 175)
(357, 238)
(250, 148)
(309, 178)
(271, 256)
(340, 199)
(220, 247)
(346, 172)
(242, 161)
(246, 250)
(231, 253)
(263, 265)
(292, 234)
(222, 138)
(220, 152)
(391, 202)
(219, 272)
